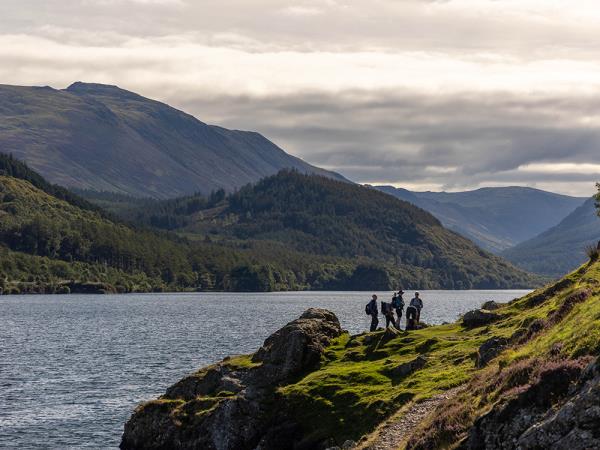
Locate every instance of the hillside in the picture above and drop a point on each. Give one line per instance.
(562, 248)
(320, 216)
(525, 375)
(103, 138)
(494, 218)
(51, 241)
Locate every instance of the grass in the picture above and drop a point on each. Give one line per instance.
(562, 347)
(354, 389)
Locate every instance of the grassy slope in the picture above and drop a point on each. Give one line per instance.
(353, 390)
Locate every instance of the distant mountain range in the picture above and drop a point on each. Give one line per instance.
(99, 137)
(561, 248)
(494, 218)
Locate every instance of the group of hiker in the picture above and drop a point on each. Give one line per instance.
(413, 311)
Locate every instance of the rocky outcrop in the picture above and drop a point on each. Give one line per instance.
(576, 424)
(559, 409)
(407, 368)
(479, 318)
(490, 349)
(233, 404)
(491, 305)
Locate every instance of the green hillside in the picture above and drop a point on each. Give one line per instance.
(319, 216)
(54, 241)
(561, 248)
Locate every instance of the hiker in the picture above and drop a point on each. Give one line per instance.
(398, 305)
(418, 304)
(371, 310)
(388, 312)
(411, 318)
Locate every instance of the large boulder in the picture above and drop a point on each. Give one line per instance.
(479, 318)
(297, 346)
(231, 405)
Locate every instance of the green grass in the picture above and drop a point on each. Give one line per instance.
(567, 341)
(354, 389)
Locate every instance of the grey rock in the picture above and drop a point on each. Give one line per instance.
(227, 408)
(575, 425)
(561, 410)
(479, 318)
(405, 369)
(490, 349)
(491, 305)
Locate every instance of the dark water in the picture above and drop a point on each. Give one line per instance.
(72, 368)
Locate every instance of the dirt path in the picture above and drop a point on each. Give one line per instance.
(393, 433)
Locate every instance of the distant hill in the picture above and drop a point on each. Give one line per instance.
(494, 218)
(562, 248)
(99, 137)
(320, 216)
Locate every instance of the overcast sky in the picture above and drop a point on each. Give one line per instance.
(427, 95)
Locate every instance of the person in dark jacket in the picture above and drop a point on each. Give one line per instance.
(398, 305)
(388, 312)
(372, 305)
(418, 304)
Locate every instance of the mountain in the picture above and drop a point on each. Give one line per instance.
(99, 137)
(320, 216)
(494, 218)
(561, 248)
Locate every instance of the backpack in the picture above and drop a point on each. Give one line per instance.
(368, 309)
(397, 302)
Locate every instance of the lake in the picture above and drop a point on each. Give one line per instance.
(73, 367)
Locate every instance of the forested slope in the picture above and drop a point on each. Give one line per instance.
(319, 216)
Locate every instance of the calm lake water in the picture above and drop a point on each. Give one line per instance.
(72, 368)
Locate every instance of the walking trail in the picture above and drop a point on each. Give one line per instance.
(396, 431)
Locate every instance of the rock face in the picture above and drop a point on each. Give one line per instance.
(561, 410)
(233, 404)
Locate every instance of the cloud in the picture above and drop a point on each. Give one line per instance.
(445, 94)
(429, 141)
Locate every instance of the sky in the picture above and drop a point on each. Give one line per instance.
(422, 94)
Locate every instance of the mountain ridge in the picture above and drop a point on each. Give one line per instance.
(495, 218)
(104, 138)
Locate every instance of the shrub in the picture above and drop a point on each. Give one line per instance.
(593, 252)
